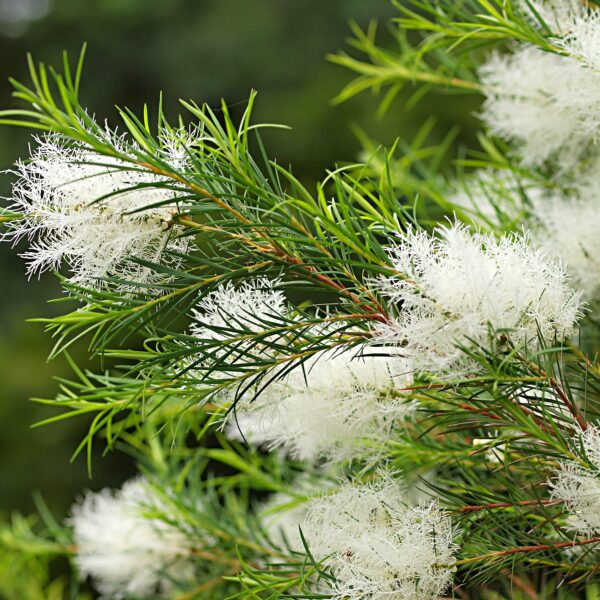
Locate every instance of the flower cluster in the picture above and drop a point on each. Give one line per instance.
(231, 311)
(581, 38)
(233, 328)
(457, 288)
(327, 406)
(579, 486)
(566, 226)
(545, 102)
(330, 407)
(377, 547)
(559, 15)
(99, 215)
(127, 543)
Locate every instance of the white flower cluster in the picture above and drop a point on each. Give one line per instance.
(331, 407)
(324, 408)
(124, 546)
(94, 213)
(582, 38)
(547, 103)
(579, 487)
(226, 320)
(377, 547)
(453, 286)
(558, 15)
(253, 307)
(566, 225)
(563, 219)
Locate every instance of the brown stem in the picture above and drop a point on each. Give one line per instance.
(377, 312)
(475, 508)
(572, 408)
(526, 549)
(272, 246)
(570, 405)
(198, 189)
(522, 585)
(216, 558)
(480, 411)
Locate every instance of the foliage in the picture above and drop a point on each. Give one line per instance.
(200, 358)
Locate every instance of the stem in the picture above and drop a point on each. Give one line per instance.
(526, 549)
(376, 312)
(475, 508)
(522, 585)
(480, 411)
(198, 190)
(388, 73)
(572, 408)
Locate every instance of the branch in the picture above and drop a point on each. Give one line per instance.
(476, 508)
(527, 549)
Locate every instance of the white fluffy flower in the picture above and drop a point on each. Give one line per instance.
(452, 287)
(567, 227)
(223, 318)
(252, 306)
(377, 547)
(322, 408)
(330, 407)
(124, 546)
(547, 103)
(582, 39)
(84, 209)
(559, 15)
(579, 487)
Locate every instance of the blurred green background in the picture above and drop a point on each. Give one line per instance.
(200, 49)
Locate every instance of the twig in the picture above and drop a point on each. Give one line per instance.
(475, 508)
(526, 549)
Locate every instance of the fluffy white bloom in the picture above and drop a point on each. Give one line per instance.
(579, 487)
(377, 547)
(322, 408)
(84, 209)
(123, 548)
(567, 227)
(547, 103)
(582, 39)
(559, 15)
(329, 407)
(452, 287)
(229, 313)
(251, 306)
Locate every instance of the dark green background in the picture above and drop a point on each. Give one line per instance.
(200, 49)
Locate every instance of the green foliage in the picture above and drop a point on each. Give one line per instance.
(161, 394)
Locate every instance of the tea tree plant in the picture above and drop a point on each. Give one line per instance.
(383, 387)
